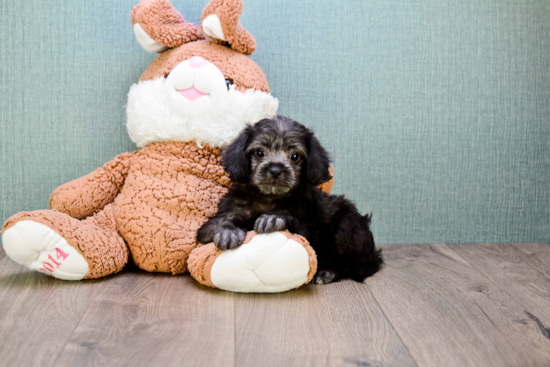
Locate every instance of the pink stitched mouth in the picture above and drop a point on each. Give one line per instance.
(192, 93)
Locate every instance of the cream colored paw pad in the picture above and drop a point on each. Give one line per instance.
(40, 248)
(268, 263)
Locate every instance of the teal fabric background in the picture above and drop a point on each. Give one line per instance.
(437, 113)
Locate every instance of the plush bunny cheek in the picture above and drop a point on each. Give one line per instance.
(195, 81)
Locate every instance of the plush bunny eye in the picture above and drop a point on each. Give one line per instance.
(294, 156)
(260, 153)
(228, 82)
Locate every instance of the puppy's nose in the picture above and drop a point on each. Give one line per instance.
(275, 171)
(197, 62)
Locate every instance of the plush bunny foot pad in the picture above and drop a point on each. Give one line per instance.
(40, 248)
(264, 263)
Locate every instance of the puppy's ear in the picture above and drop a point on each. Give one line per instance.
(235, 159)
(318, 163)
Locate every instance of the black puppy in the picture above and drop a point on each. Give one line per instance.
(276, 166)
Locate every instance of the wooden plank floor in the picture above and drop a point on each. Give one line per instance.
(332, 325)
(432, 305)
(449, 313)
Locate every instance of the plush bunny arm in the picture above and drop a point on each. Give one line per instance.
(86, 195)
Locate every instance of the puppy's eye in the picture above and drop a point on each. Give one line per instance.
(260, 153)
(228, 82)
(294, 156)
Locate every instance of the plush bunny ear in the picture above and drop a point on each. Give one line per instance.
(220, 22)
(159, 26)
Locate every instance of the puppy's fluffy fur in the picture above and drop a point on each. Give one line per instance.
(276, 166)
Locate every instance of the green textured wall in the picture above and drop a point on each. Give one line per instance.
(437, 113)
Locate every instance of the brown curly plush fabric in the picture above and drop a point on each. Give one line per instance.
(228, 12)
(170, 191)
(160, 196)
(164, 24)
(99, 188)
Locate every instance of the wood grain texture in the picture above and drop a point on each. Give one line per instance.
(538, 256)
(438, 305)
(2, 253)
(38, 314)
(145, 319)
(509, 268)
(449, 314)
(338, 324)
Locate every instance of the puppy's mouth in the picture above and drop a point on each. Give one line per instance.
(273, 188)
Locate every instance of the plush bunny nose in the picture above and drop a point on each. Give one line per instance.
(197, 62)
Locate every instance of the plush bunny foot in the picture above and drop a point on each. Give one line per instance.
(40, 248)
(64, 247)
(265, 263)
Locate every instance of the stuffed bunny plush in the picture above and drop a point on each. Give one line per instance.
(191, 101)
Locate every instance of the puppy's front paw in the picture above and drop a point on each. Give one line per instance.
(268, 223)
(324, 277)
(229, 238)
